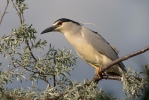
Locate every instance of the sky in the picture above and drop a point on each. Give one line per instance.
(123, 23)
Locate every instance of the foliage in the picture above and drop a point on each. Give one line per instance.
(21, 49)
(134, 84)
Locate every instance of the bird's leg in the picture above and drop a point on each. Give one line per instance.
(97, 70)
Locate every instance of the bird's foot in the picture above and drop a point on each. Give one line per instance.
(97, 70)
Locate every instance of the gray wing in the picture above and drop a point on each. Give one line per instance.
(116, 50)
(101, 45)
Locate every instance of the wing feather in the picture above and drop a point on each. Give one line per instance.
(100, 44)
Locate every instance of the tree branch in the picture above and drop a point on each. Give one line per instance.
(40, 73)
(21, 21)
(45, 79)
(31, 51)
(19, 14)
(96, 79)
(54, 80)
(123, 58)
(4, 12)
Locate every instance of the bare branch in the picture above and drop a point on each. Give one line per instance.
(4, 12)
(31, 51)
(96, 79)
(123, 58)
(54, 80)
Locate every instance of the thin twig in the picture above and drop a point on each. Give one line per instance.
(54, 80)
(4, 12)
(31, 51)
(45, 79)
(19, 14)
(7, 36)
(13, 68)
(40, 73)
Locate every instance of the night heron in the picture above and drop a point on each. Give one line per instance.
(89, 45)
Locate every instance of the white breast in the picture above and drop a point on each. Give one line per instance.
(84, 49)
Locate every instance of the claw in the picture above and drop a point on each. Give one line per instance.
(97, 70)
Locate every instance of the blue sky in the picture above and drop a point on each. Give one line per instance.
(123, 23)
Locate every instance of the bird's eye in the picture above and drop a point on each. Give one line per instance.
(59, 23)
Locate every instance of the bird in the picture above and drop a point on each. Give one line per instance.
(89, 45)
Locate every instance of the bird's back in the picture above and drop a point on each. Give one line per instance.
(101, 45)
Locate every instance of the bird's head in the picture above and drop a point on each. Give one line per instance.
(62, 25)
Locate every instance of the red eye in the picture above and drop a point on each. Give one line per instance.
(59, 23)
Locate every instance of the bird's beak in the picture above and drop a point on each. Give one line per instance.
(49, 29)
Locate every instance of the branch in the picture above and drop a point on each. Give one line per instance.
(40, 73)
(31, 51)
(123, 58)
(21, 21)
(19, 14)
(13, 68)
(45, 79)
(4, 12)
(54, 80)
(96, 79)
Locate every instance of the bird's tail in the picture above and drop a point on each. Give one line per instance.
(122, 66)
